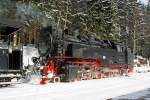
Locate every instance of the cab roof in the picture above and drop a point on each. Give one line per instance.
(8, 26)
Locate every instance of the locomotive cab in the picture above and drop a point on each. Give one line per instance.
(10, 51)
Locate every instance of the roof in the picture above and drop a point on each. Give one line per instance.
(8, 26)
(8, 22)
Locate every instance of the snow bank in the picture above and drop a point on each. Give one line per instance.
(141, 64)
(29, 52)
(142, 69)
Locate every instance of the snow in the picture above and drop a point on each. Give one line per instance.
(132, 87)
(140, 95)
(141, 64)
(143, 1)
(142, 69)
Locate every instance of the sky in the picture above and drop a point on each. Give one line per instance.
(144, 1)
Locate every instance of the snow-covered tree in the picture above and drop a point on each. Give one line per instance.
(7, 8)
(65, 13)
(103, 18)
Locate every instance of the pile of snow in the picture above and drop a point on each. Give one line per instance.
(29, 51)
(141, 64)
(142, 69)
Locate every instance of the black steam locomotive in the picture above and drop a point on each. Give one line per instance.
(71, 58)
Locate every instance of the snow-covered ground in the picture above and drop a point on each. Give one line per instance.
(133, 87)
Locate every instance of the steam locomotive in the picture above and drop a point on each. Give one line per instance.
(70, 58)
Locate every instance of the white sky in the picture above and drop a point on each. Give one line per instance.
(144, 1)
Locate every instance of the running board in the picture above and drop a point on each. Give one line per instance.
(9, 83)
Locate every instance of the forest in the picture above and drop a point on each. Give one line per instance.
(122, 21)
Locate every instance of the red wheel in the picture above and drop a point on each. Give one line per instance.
(56, 79)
